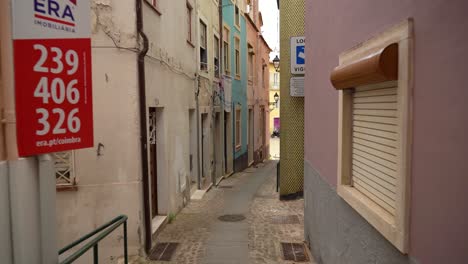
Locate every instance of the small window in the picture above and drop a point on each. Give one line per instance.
(189, 23)
(276, 80)
(226, 52)
(238, 128)
(237, 56)
(251, 62)
(203, 47)
(237, 16)
(64, 168)
(216, 56)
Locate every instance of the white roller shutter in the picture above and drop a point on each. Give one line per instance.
(374, 143)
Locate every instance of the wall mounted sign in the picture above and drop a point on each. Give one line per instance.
(53, 84)
(296, 86)
(297, 55)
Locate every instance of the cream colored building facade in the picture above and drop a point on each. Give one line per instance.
(109, 179)
(210, 99)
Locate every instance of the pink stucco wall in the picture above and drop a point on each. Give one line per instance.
(257, 89)
(439, 206)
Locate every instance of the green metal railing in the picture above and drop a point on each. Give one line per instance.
(106, 230)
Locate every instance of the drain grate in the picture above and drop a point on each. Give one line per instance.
(163, 251)
(285, 219)
(232, 218)
(225, 186)
(294, 252)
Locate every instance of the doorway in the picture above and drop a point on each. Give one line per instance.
(227, 143)
(251, 137)
(153, 165)
(204, 148)
(262, 153)
(193, 150)
(217, 143)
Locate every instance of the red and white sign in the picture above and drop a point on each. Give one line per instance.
(53, 85)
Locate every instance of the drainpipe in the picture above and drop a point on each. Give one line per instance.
(143, 125)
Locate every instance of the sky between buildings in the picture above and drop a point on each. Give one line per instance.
(270, 29)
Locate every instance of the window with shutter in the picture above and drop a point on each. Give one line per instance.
(374, 134)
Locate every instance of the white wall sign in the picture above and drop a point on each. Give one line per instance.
(297, 55)
(296, 86)
(51, 19)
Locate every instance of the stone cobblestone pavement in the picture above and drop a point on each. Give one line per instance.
(193, 225)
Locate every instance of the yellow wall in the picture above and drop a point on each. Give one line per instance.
(275, 112)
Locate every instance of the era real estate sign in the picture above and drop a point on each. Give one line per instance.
(53, 85)
(297, 55)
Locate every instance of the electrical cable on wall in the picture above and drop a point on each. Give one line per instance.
(136, 50)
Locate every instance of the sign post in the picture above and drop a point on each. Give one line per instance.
(53, 85)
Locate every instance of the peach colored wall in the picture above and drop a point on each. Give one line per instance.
(439, 211)
(257, 89)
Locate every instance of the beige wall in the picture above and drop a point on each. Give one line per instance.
(207, 11)
(110, 184)
(170, 83)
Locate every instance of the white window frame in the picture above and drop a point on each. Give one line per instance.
(237, 17)
(227, 55)
(203, 45)
(216, 55)
(237, 57)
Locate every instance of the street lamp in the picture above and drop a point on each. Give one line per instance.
(276, 63)
(275, 103)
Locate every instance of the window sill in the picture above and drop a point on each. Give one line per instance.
(374, 214)
(66, 188)
(237, 26)
(154, 8)
(204, 73)
(190, 43)
(238, 77)
(238, 148)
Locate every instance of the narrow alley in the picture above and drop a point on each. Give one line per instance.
(233, 132)
(253, 226)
